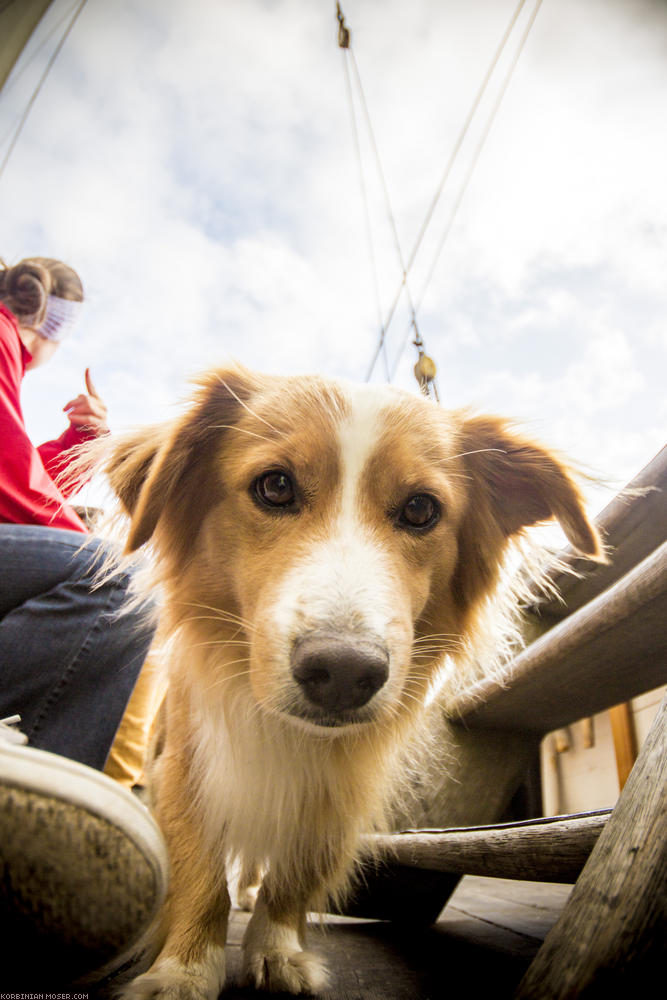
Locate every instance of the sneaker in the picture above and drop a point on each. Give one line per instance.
(83, 869)
(10, 732)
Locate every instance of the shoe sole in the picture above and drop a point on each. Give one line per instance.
(83, 867)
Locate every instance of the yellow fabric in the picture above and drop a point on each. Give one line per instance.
(126, 759)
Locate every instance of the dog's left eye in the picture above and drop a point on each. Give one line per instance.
(420, 512)
(274, 489)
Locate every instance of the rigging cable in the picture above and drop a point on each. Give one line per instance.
(390, 215)
(471, 169)
(349, 58)
(36, 91)
(344, 42)
(17, 73)
(344, 45)
(453, 156)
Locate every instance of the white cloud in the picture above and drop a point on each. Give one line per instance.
(195, 163)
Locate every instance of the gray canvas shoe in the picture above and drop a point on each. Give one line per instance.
(83, 868)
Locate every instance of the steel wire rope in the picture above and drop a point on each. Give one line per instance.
(367, 217)
(15, 77)
(384, 326)
(454, 154)
(349, 57)
(40, 83)
(389, 212)
(470, 171)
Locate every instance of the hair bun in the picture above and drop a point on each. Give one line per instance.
(24, 289)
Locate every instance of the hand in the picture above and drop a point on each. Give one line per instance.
(88, 412)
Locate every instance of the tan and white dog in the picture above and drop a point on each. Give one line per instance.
(321, 547)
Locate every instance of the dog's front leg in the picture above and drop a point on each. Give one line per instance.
(250, 879)
(191, 965)
(273, 945)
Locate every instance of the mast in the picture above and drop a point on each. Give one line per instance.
(18, 20)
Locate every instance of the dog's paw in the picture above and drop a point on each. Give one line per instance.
(170, 979)
(285, 972)
(248, 886)
(273, 957)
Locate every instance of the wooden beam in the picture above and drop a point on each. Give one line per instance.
(545, 850)
(633, 525)
(625, 741)
(610, 937)
(607, 652)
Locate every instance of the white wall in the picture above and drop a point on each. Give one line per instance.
(578, 777)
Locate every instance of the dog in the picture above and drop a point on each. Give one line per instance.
(320, 548)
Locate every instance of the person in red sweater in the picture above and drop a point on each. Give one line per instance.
(68, 659)
(70, 654)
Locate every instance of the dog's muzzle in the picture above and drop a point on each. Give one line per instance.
(337, 675)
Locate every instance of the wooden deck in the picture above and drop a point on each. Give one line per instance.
(485, 937)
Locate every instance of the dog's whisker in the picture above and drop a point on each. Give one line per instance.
(219, 645)
(424, 658)
(220, 681)
(211, 618)
(221, 615)
(407, 696)
(206, 607)
(247, 408)
(437, 648)
(228, 678)
(478, 451)
(451, 644)
(430, 647)
(438, 635)
(242, 430)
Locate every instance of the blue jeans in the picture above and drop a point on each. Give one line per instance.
(68, 660)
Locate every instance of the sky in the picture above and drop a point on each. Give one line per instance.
(195, 162)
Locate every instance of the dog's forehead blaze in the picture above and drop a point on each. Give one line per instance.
(357, 435)
(394, 444)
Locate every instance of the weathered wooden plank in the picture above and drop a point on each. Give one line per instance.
(633, 527)
(525, 909)
(607, 652)
(613, 930)
(547, 850)
(485, 937)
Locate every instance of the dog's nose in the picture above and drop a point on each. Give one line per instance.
(338, 673)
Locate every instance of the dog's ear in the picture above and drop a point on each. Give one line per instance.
(128, 461)
(525, 483)
(171, 471)
(514, 483)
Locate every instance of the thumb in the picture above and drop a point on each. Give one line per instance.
(90, 385)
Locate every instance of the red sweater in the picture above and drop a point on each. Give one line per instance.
(28, 493)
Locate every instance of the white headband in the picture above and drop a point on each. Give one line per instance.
(60, 318)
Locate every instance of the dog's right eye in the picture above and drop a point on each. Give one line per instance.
(419, 513)
(274, 489)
